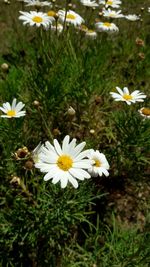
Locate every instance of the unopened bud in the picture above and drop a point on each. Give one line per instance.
(92, 131)
(56, 132)
(29, 165)
(4, 67)
(36, 103)
(71, 111)
(22, 153)
(7, 2)
(139, 42)
(15, 180)
(141, 56)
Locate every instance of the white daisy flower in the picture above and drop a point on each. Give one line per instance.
(64, 164)
(89, 3)
(71, 17)
(132, 17)
(36, 153)
(106, 27)
(37, 3)
(125, 96)
(35, 18)
(100, 164)
(112, 13)
(145, 112)
(52, 14)
(113, 3)
(14, 110)
(59, 28)
(148, 9)
(91, 34)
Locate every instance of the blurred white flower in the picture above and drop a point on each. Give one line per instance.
(59, 28)
(148, 9)
(132, 17)
(145, 112)
(64, 164)
(112, 13)
(89, 3)
(71, 17)
(100, 164)
(35, 18)
(52, 14)
(125, 96)
(91, 34)
(37, 3)
(106, 27)
(14, 110)
(112, 3)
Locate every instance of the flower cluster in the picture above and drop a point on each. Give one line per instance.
(57, 20)
(69, 163)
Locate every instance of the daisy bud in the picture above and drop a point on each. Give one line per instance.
(5, 67)
(21, 153)
(7, 2)
(56, 132)
(141, 56)
(29, 165)
(71, 111)
(142, 8)
(98, 100)
(36, 103)
(92, 131)
(139, 42)
(15, 180)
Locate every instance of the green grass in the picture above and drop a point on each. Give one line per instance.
(41, 224)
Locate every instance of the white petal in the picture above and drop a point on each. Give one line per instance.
(49, 146)
(14, 104)
(73, 182)
(48, 176)
(64, 182)
(79, 173)
(83, 164)
(56, 179)
(65, 146)
(2, 109)
(57, 147)
(82, 155)
(19, 106)
(119, 90)
(78, 149)
(50, 158)
(126, 91)
(7, 106)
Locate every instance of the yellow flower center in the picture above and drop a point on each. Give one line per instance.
(90, 31)
(127, 97)
(37, 19)
(145, 111)
(11, 113)
(51, 13)
(97, 163)
(64, 162)
(70, 16)
(109, 3)
(107, 24)
(83, 28)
